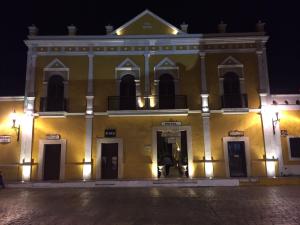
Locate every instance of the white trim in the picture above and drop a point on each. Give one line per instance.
(12, 99)
(118, 141)
(63, 150)
(247, 153)
(289, 149)
(188, 130)
(231, 64)
(141, 15)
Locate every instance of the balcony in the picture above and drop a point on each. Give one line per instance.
(234, 101)
(116, 103)
(53, 104)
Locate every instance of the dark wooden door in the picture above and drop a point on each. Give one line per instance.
(52, 161)
(237, 159)
(109, 161)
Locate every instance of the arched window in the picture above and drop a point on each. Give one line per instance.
(127, 93)
(166, 92)
(55, 94)
(232, 92)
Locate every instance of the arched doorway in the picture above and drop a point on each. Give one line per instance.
(232, 93)
(55, 94)
(127, 93)
(166, 92)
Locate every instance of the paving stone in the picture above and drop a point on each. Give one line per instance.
(151, 206)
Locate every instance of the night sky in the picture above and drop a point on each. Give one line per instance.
(90, 17)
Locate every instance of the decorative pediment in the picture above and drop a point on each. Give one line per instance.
(147, 23)
(166, 63)
(55, 64)
(231, 61)
(127, 67)
(127, 64)
(166, 66)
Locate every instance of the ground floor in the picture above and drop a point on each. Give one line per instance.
(143, 147)
(176, 206)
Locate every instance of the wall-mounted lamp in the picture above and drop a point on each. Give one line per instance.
(275, 121)
(15, 126)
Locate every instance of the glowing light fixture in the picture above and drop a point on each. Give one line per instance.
(15, 124)
(275, 120)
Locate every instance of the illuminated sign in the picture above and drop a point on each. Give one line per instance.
(110, 132)
(171, 123)
(52, 136)
(5, 139)
(236, 133)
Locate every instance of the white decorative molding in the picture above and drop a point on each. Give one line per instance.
(247, 153)
(145, 12)
(289, 149)
(55, 67)
(128, 67)
(63, 144)
(230, 64)
(166, 65)
(101, 141)
(12, 98)
(188, 130)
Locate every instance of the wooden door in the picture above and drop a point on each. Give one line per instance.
(109, 161)
(52, 161)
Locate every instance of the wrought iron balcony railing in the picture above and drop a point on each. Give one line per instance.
(147, 103)
(53, 104)
(234, 101)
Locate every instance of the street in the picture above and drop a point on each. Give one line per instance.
(145, 206)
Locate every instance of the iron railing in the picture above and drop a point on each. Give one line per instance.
(147, 103)
(53, 104)
(234, 101)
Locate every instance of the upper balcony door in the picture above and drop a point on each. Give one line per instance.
(55, 94)
(166, 92)
(232, 92)
(127, 93)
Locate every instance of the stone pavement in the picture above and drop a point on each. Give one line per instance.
(151, 206)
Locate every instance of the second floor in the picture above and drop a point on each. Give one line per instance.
(165, 68)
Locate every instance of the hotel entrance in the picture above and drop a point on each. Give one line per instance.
(172, 154)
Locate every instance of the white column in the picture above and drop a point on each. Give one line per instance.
(204, 92)
(147, 80)
(90, 74)
(261, 70)
(27, 122)
(208, 165)
(272, 141)
(209, 172)
(266, 71)
(26, 139)
(87, 167)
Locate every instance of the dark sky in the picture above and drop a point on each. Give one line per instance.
(52, 17)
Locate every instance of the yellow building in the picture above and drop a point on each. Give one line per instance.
(148, 100)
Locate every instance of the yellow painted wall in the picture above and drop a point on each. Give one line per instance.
(10, 152)
(290, 121)
(249, 123)
(136, 133)
(73, 130)
(189, 76)
(77, 85)
(137, 27)
(249, 61)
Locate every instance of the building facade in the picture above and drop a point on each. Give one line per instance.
(148, 100)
